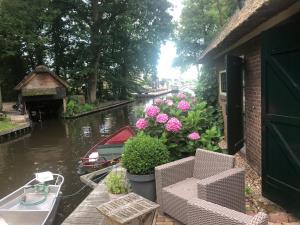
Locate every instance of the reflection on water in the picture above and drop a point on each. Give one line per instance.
(57, 145)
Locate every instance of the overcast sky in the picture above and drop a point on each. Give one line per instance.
(168, 53)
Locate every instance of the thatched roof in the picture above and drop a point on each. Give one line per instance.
(41, 69)
(242, 22)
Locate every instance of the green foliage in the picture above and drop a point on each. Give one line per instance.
(143, 153)
(101, 47)
(87, 107)
(211, 138)
(248, 190)
(73, 107)
(116, 182)
(202, 118)
(6, 124)
(207, 90)
(200, 21)
(139, 111)
(207, 86)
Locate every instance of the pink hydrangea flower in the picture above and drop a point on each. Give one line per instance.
(141, 124)
(183, 105)
(162, 118)
(194, 136)
(152, 111)
(169, 102)
(173, 125)
(158, 101)
(181, 95)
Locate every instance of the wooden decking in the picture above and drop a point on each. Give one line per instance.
(86, 213)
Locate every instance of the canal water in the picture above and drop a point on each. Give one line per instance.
(57, 145)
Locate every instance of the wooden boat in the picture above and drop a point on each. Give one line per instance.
(106, 152)
(35, 203)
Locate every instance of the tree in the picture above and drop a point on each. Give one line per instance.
(138, 35)
(23, 28)
(1, 105)
(89, 42)
(200, 21)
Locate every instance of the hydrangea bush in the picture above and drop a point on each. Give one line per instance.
(183, 123)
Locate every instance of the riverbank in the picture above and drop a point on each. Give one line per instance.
(9, 129)
(153, 94)
(7, 125)
(13, 124)
(101, 107)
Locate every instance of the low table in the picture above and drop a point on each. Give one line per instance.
(129, 209)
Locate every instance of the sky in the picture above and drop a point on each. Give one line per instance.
(168, 53)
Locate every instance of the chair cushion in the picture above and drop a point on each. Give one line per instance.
(176, 196)
(208, 163)
(186, 189)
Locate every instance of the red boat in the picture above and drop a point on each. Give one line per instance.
(107, 151)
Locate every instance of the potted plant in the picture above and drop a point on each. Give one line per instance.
(141, 155)
(116, 182)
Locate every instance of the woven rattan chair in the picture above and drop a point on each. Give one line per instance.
(207, 175)
(201, 212)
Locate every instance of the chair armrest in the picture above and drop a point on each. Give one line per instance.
(226, 189)
(259, 219)
(172, 173)
(211, 214)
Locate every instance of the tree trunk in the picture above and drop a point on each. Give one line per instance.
(123, 91)
(124, 71)
(95, 54)
(92, 88)
(1, 105)
(198, 69)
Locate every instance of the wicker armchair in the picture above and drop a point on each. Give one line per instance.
(208, 175)
(203, 212)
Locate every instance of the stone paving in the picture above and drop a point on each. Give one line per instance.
(254, 202)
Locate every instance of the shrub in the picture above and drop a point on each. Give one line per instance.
(116, 182)
(183, 123)
(74, 107)
(87, 107)
(207, 86)
(143, 153)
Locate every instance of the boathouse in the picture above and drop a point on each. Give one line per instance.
(42, 94)
(257, 59)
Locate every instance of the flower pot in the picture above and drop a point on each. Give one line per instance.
(143, 185)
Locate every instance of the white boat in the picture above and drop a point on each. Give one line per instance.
(35, 203)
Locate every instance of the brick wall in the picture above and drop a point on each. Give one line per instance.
(253, 105)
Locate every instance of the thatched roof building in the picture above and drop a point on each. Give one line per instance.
(43, 91)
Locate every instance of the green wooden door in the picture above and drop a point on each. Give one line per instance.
(281, 115)
(234, 109)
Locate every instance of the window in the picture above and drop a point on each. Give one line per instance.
(222, 82)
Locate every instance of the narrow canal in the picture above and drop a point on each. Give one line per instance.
(57, 145)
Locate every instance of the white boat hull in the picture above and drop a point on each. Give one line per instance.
(13, 212)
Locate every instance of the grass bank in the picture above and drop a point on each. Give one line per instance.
(74, 109)
(7, 125)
